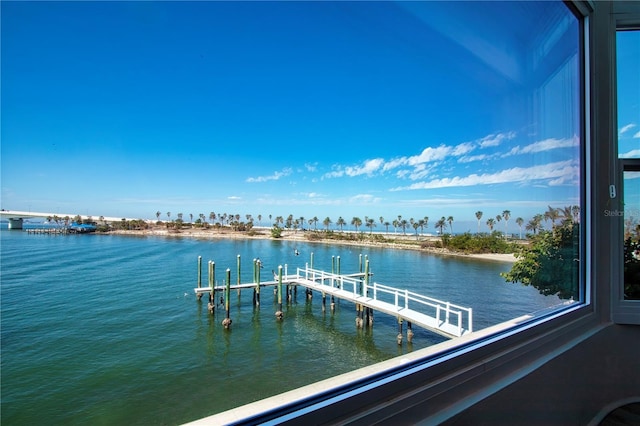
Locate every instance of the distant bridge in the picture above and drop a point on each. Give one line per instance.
(16, 218)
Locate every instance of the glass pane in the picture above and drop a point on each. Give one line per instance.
(628, 65)
(632, 235)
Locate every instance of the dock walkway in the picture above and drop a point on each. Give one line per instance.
(435, 315)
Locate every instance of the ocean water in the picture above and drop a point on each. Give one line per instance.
(106, 330)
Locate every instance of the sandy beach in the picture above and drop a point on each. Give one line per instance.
(391, 240)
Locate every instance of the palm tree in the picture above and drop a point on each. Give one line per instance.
(260, 219)
(478, 216)
(520, 221)
(302, 222)
(450, 220)
(158, 215)
(356, 221)
(532, 225)
(371, 223)
(426, 222)
(403, 225)
(498, 219)
(327, 222)
(552, 215)
(441, 224)
(314, 221)
(386, 226)
(169, 215)
(212, 217)
(341, 222)
(566, 214)
(416, 225)
(506, 215)
(539, 218)
(490, 222)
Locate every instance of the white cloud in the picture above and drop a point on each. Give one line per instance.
(626, 128)
(471, 158)
(363, 199)
(433, 156)
(429, 154)
(562, 171)
(495, 140)
(368, 168)
(463, 148)
(274, 176)
(634, 153)
(637, 135)
(544, 145)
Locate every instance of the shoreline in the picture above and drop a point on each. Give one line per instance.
(400, 242)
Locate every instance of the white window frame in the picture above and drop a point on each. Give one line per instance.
(623, 311)
(625, 16)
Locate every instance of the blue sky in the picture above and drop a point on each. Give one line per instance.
(276, 108)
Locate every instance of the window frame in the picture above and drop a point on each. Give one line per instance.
(624, 18)
(462, 372)
(624, 311)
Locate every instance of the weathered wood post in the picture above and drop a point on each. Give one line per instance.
(399, 337)
(212, 293)
(226, 323)
(409, 332)
(239, 277)
(199, 295)
(366, 286)
(288, 287)
(335, 268)
(279, 313)
(256, 280)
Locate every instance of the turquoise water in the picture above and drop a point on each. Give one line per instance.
(102, 329)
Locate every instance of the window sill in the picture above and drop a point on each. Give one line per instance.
(447, 378)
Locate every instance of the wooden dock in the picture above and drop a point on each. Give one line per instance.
(47, 231)
(438, 316)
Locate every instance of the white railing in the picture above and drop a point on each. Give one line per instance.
(443, 312)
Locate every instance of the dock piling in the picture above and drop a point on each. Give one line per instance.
(199, 295)
(279, 313)
(226, 323)
(238, 282)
